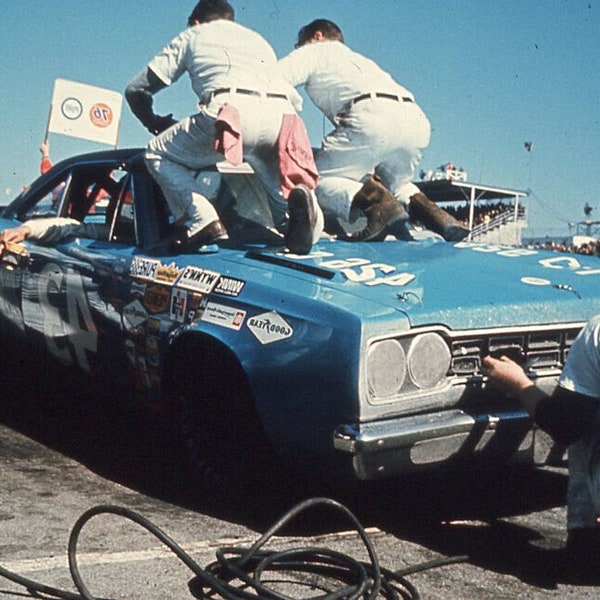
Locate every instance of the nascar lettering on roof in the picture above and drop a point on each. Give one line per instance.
(85, 111)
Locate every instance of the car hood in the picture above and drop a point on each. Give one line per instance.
(463, 286)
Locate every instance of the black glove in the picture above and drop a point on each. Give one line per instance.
(160, 124)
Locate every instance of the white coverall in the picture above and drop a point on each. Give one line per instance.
(220, 55)
(383, 134)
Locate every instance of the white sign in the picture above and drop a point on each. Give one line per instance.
(85, 111)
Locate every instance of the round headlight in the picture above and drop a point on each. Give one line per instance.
(386, 368)
(428, 360)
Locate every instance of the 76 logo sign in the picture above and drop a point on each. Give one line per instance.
(101, 114)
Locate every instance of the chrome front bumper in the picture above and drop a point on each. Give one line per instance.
(393, 447)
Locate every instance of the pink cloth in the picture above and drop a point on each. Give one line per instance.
(228, 134)
(296, 161)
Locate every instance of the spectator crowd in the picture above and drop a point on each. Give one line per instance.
(591, 248)
(486, 212)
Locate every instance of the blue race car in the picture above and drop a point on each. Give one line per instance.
(355, 362)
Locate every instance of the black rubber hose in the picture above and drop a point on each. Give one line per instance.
(337, 575)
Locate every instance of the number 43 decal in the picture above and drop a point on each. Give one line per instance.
(69, 336)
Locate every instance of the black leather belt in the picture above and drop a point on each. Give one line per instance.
(246, 92)
(368, 95)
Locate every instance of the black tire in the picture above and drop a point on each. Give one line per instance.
(223, 446)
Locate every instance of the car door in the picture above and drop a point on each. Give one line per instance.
(71, 300)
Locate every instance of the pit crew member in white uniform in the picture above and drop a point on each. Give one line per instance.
(379, 132)
(228, 64)
(571, 416)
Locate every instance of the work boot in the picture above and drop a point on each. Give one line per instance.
(435, 218)
(302, 220)
(381, 209)
(212, 233)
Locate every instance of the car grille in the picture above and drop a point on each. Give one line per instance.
(539, 351)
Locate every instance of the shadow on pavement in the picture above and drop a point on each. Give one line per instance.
(451, 513)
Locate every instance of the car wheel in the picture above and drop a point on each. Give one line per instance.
(224, 447)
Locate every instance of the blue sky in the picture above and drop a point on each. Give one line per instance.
(490, 75)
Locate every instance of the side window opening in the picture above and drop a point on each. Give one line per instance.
(52, 201)
(98, 196)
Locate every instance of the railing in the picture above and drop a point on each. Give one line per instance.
(501, 219)
(455, 174)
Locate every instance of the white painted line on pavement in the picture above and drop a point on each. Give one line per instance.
(105, 558)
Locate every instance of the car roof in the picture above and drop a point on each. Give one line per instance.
(122, 154)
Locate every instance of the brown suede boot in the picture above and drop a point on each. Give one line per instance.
(435, 218)
(381, 209)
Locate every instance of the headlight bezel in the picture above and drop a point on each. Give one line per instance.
(414, 375)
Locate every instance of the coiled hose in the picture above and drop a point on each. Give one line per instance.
(241, 573)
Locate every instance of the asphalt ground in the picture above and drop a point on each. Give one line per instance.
(61, 457)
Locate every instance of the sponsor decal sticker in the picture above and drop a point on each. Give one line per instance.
(156, 299)
(167, 273)
(225, 316)
(135, 313)
(197, 280)
(194, 302)
(229, 286)
(178, 310)
(144, 268)
(270, 327)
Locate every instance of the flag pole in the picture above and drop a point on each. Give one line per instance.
(48, 125)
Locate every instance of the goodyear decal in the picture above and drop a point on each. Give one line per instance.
(222, 315)
(229, 286)
(197, 280)
(270, 327)
(144, 268)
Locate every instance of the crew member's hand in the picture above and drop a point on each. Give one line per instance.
(13, 236)
(505, 373)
